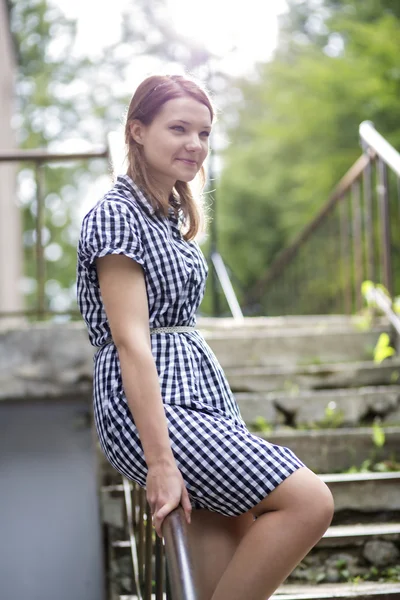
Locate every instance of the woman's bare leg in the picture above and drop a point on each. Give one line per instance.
(290, 521)
(213, 541)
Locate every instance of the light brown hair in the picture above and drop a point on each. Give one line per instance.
(145, 104)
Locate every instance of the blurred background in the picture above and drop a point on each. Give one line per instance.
(292, 81)
(304, 207)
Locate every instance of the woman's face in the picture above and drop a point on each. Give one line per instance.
(175, 144)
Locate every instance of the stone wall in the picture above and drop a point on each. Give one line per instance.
(45, 361)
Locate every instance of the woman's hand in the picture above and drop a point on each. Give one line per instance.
(165, 490)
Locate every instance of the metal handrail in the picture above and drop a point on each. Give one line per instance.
(381, 147)
(179, 561)
(359, 233)
(41, 156)
(289, 253)
(384, 303)
(227, 286)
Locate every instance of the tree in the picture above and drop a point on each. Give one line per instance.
(68, 101)
(295, 131)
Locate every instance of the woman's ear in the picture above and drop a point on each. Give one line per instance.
(137, 130)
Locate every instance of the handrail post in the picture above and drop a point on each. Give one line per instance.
(357, 243)
(368, 222)
(179, 563)
(226, 285)
(40, 259)
(383, 198)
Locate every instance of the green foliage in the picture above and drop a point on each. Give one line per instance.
(373, 463)
(383, 349)
(378, 434)
(65, 102)
(294, 130)
(333, 417)
(261, 425)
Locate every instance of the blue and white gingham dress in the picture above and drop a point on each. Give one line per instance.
(225, 468)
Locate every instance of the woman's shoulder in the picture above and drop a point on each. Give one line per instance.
(116, 199)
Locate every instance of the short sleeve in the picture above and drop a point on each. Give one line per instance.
(110, 228)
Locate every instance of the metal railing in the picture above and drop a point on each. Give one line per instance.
(145, 548)
(226, 286)
(110, 152)
(159, 568)
(354, 237)
(39, 158)
(376, 297)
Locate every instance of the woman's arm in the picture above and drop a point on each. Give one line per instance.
(124, 296)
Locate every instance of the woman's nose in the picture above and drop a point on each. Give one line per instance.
(193, 143)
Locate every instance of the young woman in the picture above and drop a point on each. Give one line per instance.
(164, 411)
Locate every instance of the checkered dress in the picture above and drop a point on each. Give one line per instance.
(225, 468)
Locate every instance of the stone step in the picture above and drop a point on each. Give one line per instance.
(240, 348)
(327, 591)
(368, 492)
(356, 492)
(339, 535)
(332, 407)
(337, 450)
(345, 591)
(289, 377)
(357, 535)
(318, 322)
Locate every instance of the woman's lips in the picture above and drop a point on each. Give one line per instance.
(187, 161)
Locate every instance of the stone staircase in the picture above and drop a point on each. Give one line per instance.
(310, 383)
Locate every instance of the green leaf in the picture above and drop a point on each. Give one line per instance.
(378, 435)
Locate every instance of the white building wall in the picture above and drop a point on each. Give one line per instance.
(10, 223)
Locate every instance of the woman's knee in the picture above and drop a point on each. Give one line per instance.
(303, 493)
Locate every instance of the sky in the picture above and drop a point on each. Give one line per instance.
(241, 33)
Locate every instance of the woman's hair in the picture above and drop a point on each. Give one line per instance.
(146, 103)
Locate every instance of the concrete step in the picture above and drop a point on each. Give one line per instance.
(374, 493)
(339, 536)
(368, 492)
(345, 591)
(337, 450)
(328, 591)
(356, 535)
(332, 407)
(287, 377)
(240, 348)
(316, 322)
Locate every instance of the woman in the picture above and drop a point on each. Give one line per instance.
(164, 412)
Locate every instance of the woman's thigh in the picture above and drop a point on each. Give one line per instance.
(302, 492)
(213, 540)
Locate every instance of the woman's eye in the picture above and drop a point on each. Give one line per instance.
(205, 134)
(178, 128)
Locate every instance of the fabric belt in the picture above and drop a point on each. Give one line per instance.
(176, 329)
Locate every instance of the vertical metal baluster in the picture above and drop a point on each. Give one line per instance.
(135, 522)
(345, 255)
(142, 504)
(398, 200)
(40, 221)
(148, 554)
(160, 569)
(383, 198)
(357, 243)
(368, 222)
(337, 251)
(130, 520)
